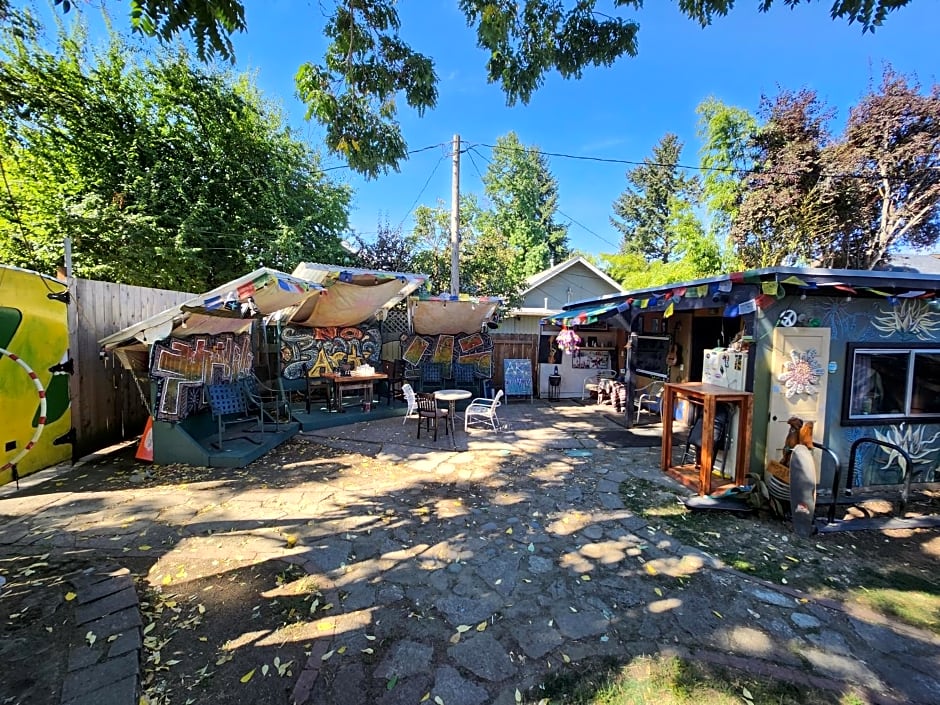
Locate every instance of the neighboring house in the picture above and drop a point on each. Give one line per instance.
(857, 352)
(552, 289)
(547, 293)
(913, 262)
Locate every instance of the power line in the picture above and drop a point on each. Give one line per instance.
(421, 192)
(727, 170)
(473, 149)
(408, 153)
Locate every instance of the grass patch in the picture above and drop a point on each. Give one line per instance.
(673, 681)
(891, 576)
(918, 608)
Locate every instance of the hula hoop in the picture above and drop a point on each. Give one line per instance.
(42, 407)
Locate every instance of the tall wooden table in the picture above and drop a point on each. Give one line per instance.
(345, 383)
(709, 396)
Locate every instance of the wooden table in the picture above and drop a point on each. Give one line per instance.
(709, 396)
(363, 383)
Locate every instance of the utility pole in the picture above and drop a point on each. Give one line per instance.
(455, 222)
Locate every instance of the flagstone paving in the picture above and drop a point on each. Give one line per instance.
(484, 568)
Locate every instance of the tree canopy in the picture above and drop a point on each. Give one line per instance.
(790, 191)
(161, 173)
(366, 67)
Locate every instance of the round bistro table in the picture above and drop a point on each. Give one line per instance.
(452, 396)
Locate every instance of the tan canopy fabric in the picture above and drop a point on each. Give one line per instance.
(435, 316)
(345, 304)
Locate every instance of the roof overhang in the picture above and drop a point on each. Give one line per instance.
(586, 315)
(315, 295)
(811, 281)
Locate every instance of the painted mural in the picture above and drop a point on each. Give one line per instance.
(475, 349)
(35, 412)
(892, 320)
(323, 350)
(182, 366)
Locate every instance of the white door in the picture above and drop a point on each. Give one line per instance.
(798, 386)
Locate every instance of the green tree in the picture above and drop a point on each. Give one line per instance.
(160, 173)
(486, 262)
(367, 66)
(524, 196)
(645, 212)
(697, 254)
(727, 135)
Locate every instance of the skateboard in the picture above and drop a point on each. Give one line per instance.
(727, 504)
(803, 491)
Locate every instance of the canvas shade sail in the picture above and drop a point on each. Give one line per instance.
(587, 315)
(436, 317)
(345, 304)
(268, 289)
(326, 275)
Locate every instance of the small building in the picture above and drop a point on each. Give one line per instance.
(573, 280)
(856, 352)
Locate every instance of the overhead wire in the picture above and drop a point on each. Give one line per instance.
(421, 192)
(473, 149)
(687, 167)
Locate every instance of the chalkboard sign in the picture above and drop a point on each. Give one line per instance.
(649, 355)
(517, 378)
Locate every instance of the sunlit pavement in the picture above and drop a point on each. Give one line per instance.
(519, 535)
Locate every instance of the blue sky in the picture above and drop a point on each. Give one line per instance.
(618, 113)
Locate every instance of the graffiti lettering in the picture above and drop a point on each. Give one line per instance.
(323, 350)
(182, 366)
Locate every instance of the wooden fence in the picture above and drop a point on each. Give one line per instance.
(107, 406)
(514, 347)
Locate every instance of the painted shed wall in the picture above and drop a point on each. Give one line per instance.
(860, 320)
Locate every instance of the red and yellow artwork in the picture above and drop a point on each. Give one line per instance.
(444, 350)
(415, 350)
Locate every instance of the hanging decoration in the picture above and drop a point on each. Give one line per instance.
(802, 373)
(568, 341)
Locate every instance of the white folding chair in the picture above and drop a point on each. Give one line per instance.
(482, 410)
(409, 395)
(650, 399)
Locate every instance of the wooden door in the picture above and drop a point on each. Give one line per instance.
(798, 386)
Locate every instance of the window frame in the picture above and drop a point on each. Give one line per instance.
(885, 419)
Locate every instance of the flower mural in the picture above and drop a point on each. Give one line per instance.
(802, 373)
(911, 317)
(912, 439)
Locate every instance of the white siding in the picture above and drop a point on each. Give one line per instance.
(574, 284)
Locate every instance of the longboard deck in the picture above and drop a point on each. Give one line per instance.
(803, 491)
(727, 504)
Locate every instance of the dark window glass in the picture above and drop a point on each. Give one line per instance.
(926, 389)
(892, 384)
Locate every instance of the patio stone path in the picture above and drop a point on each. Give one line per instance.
(484, 569)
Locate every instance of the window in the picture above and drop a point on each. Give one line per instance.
(887, 384)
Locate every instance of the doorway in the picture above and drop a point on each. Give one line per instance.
(707, 332)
